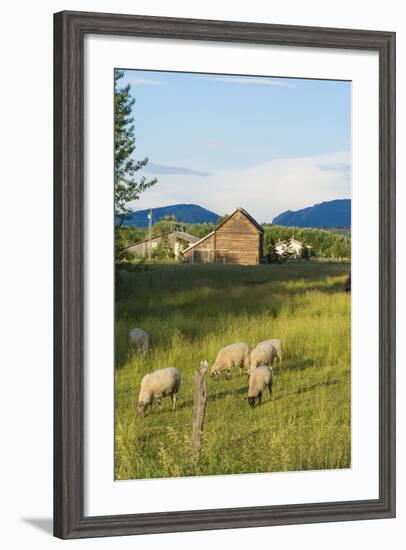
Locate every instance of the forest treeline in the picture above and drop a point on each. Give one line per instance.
(323, 243)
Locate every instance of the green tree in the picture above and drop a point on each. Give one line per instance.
(127, 187)
(164, 225)
(287, 255)
(163, 251)
(305, 252)
(120, 251)
(222, 218)
(128, 235)
(182, 244)
(199, 229)
(322, 242)
(272, 255)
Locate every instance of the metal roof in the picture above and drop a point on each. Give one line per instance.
(180, 234)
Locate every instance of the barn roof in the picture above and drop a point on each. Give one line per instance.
(180, 234)
(199, 241)
(244, 212)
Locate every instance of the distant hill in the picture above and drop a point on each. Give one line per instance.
(336, 213)
(187, 213)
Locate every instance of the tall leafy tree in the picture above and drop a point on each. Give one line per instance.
(127, 186)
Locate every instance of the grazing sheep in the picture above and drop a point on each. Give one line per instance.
(140, 339)
(266, 352)
(234, 355)
(260, 378)
(158, 384)
(277, 344)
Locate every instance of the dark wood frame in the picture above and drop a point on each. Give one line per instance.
(70, 29)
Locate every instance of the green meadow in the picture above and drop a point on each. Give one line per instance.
(191, 312)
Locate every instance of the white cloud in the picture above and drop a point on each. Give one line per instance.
(140, 81)
(265, 190)
(251, 81)
(158, 169)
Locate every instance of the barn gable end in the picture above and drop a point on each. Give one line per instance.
(238, 240)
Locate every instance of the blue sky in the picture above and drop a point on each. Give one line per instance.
(221, 141)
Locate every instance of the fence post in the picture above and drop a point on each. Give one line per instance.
(199, 407)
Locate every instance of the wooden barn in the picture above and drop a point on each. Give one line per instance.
(237, 240)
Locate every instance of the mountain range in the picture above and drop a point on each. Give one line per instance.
(186, 213)
(329, 214)
(336, 213)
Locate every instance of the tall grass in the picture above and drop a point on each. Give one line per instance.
(193, 311)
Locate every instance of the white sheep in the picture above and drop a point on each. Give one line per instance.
(158, 384)
(234, 355)
(277, 344)
(260, 378)
(266, 352)
(140, 339)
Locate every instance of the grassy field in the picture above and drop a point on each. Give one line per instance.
(193, 311)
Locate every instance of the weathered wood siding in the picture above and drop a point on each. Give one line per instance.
(236, 241)
(203, 253)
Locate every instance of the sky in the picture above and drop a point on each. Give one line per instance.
(266, 144)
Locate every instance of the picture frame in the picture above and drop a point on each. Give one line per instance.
(70, 28)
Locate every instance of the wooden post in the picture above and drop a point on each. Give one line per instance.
(199, 407)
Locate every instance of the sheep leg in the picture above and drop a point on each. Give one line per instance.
(173, 397)
(270, 390)
(259, 398)
(159, 403)
(228, 375)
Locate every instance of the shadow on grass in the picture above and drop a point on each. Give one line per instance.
(214, 397)
(293, 365)
(317, 385)
(165, 281)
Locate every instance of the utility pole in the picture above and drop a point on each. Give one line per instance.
(150, 234)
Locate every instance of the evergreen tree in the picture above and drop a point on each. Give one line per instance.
(163, 251)
(126, 187)
(286, 255)
(272, 256)
(305, 252)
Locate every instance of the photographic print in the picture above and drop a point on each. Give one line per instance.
(243, 326)
(232, 274)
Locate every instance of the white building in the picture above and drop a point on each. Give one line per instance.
(292, 246)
